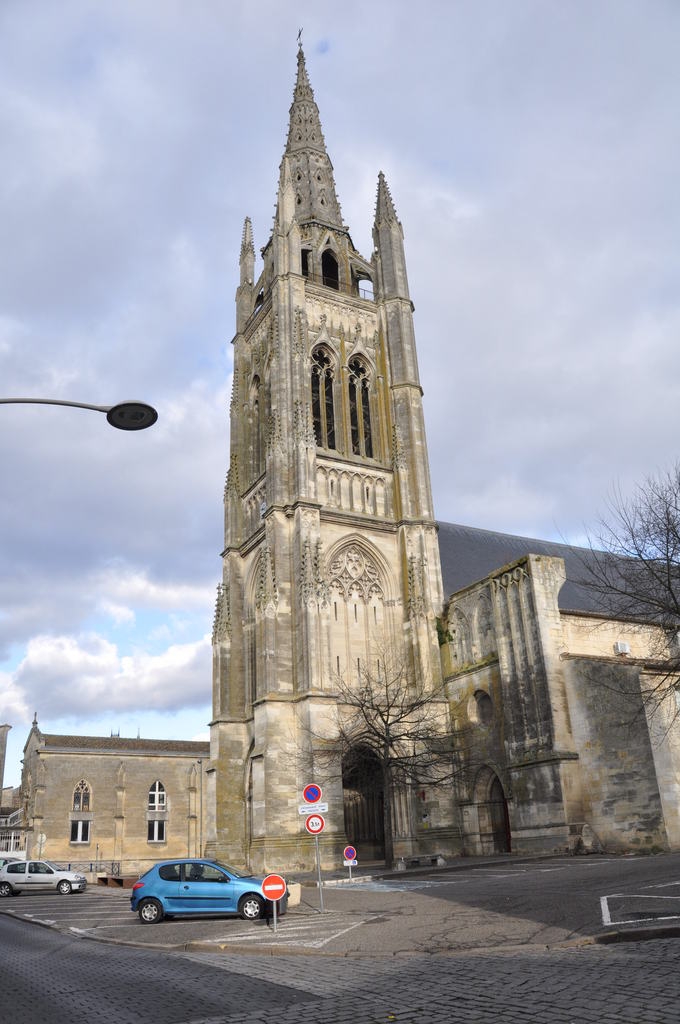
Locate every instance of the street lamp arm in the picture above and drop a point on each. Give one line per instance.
(124, 415)
(52, 401)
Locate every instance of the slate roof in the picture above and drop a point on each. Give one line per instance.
(468, 554)
(118, 744)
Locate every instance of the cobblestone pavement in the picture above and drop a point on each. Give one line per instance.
(630, 984)
(48, 976)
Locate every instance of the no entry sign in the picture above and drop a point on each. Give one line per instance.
(273, 887)
(315, 823)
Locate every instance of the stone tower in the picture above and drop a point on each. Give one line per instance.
(330, 552)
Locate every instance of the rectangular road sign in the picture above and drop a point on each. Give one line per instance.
(350, 863)
(312, 808)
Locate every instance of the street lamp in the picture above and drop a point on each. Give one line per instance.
(124, 415)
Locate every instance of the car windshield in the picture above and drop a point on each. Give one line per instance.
(50, 864)
(232, 871)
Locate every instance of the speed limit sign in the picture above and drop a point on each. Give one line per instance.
(315, 823)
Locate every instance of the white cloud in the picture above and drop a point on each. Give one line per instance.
(13, 705)
(117, 612)
(60, 674)
(128, 587)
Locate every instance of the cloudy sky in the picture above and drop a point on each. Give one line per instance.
(533, 152)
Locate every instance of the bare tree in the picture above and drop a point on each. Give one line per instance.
(633, 569)
(400, 724)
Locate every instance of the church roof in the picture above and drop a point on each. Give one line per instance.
(118, 744)
(469, 554)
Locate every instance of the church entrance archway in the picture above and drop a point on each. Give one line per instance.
(492, 814)
(362, 789)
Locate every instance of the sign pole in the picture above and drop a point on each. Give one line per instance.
(275, 906)
(318, 872)
(349, 858)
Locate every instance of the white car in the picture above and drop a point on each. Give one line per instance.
(38, 876)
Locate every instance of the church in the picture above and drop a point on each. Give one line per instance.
(332, 554)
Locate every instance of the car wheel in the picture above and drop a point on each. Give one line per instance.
(150, 912)
(64, 887)
(6, 889)
(251, 907)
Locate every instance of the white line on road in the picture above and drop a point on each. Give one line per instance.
(606, 913)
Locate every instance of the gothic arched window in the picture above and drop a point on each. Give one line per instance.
(329, 269)
(359, 409)
(81, 796)
(256, 426)
(323, 411)
(157, 796)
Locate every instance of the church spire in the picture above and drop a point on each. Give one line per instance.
(310, 166)
(384, 207)
(388, 238)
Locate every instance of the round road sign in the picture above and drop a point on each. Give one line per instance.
(349, 853)
(315, 823)
(311, 794)
(273, 887)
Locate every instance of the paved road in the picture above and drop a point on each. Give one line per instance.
(470, 907)
(50, 976)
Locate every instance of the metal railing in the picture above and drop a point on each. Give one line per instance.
(339, 286)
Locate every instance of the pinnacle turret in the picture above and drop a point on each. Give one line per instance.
(388, 239)
(247, 246)
(310, 166)
(384, 206)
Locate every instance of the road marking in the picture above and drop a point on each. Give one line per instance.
(606, 913)
(311, 935)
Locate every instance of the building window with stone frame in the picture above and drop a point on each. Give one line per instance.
(359, 409)
(323, 404)
(156, 831)
(157, 800)
(81, 796)
(80, 831)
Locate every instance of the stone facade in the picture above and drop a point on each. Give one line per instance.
(115, 804)
(560, 749)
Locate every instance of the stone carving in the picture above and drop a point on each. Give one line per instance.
(313, 587)
(303, 428)
(352, 571)
(515, 576)
(484, 628)
(275, 441)
(299, 333)
(460, 632)
(398, 453)
(267, 594)
(231, 485)
(222, 619)
(416, 587)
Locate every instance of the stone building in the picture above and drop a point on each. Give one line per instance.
(332, 555)
(330, 540)
(547, 693)
(113, 802)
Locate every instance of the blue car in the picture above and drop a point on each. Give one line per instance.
(198, 886)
